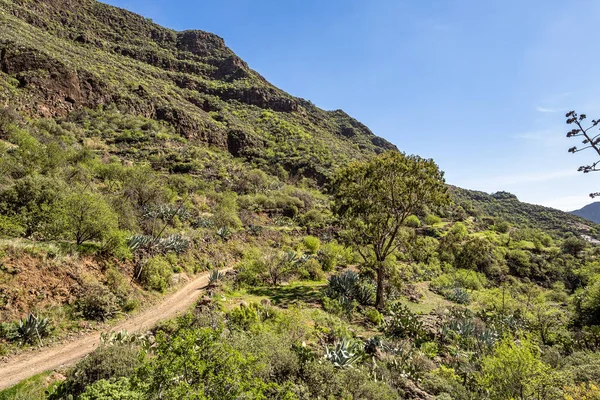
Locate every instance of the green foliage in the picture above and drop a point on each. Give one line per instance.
(403, 323)
(97, 302)
(155, 274)
(412, 221)
(374, 316)
(105, 363)
(312, 244)
(213, 370)
(85, 215)
(588, 309)
(29, 205)
(373, 200)
(333, 254)
(432, 219)
(119, 389)
(515, 370)
(573, 246)
(225, 212)
(32, 328)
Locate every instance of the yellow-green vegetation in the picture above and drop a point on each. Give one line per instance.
(34, 388)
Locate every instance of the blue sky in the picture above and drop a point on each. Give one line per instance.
(480, 86)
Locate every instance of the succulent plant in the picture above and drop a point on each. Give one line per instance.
(174, 243)
(31, 328)
(214, 276)
(458, 295)
(224, 233)
(344, 353)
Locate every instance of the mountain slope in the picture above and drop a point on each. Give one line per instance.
(59, 56)
(508, 207)
(591, 212)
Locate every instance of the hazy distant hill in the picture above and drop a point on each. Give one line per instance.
(591, 212)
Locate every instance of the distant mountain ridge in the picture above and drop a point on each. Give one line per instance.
(507, 206)
(591, 212)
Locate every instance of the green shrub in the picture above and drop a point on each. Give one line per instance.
(119, 389)
(430, 349)
(332, 254)
(412, 221)
(461, 278)
(459, 230)
(97, 302)
(332, 306)
(432, 219)
(106, 362)
(312, 219)
(403, 323)
(312, 244)
(85, 215)
(10, 227)
(156, 273)
(374, 316)
(115, 245)
(311, 270)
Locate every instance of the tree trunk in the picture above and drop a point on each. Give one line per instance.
(380, 298)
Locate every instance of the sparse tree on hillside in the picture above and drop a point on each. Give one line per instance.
(373, 199)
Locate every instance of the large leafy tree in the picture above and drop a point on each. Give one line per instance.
(374, 198)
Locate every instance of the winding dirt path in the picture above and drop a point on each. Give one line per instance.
(28, 364)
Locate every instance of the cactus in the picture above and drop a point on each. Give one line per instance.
(144, 340)
(255, 230)
(166, 212)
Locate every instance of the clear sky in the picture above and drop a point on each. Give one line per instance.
(480, 86)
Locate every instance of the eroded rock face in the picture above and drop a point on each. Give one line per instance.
(56, 90)
(97, 54)
(200, 43)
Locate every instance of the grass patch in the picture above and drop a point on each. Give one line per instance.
(33, 388)
(305, 292)
(429, 302)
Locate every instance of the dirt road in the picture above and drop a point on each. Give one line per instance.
(26, 365)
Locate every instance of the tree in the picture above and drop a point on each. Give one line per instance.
(590, 141)
(373, 199)
(85, 215)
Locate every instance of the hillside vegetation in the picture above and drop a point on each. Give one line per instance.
(133, 157)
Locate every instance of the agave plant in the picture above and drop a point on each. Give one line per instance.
(175, 243)
(166, 212)
(343, 285)
(224, 233)
(458, 295)
(214, 276)
(365, 294)
(344, 353)
(32, 327)
(255, 230)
